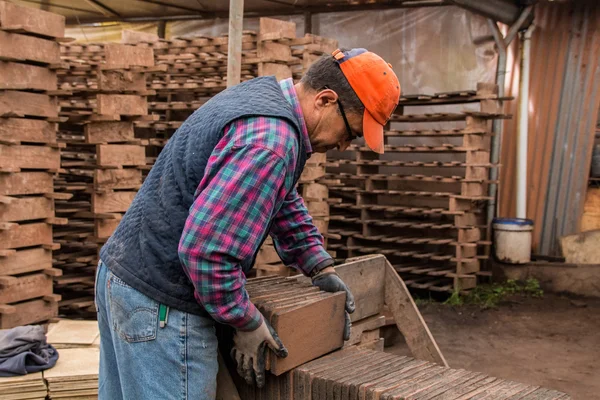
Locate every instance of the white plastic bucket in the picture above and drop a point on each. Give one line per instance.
(512, 240)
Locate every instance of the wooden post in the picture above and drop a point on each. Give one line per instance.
(234, 49)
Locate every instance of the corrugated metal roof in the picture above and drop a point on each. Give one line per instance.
(564, 94)
(83, 11)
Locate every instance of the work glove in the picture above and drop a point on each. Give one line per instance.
(250, 349)
(329, 281)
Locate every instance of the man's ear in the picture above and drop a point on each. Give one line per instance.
(325, 98)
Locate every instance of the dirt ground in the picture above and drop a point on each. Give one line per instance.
(552, 341)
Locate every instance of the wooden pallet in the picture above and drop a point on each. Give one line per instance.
(422, 204)
(29, 158)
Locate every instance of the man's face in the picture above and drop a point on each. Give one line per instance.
(326, 126)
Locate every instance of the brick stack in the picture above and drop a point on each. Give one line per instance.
(102, 162)
(352, 374)
(29, 157)
(284, 55)
(422, 204)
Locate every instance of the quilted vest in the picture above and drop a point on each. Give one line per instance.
(143, 249)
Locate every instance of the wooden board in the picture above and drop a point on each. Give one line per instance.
(122, 104)
(309, 332)
(73, 332)
(112, 202)
(18, 47)
(28, 260)
(409, 320)
(14, 289)
(22, 183)
(15, 103)
(29, 312)
(107, 132)
(280, 71)
(75, 363)
(16, 76)
(27, 208)
(366, 279)
(117, 155)
(29, 130)
(104, 228)
(26, 235)
(314, 192)
(29, 157)
(128, 56)
(31, 20)
(108, 179)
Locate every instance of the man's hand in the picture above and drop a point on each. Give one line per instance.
(329, 281)
(249, 352)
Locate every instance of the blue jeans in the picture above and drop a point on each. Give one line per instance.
(141, 360)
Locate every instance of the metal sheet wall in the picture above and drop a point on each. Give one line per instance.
(564, 97)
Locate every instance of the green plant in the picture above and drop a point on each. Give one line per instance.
(455, 299)
(488, 296)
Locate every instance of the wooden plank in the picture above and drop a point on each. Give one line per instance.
(286, 29)
(29, 131)
(29, 312)
(409, 320)
(312, 173)
(280, 71)
(26, 235)
(309, 331)
(18, 47)
(314, 191)
(15, 103)
(31, 20)
(111, 202)
(16, 76)
(22, 183)
(318, 208)
(121, 80)
(122, 104)
(27, 208)
(127, 178)
(365, 277)
(106, 132)
(23, 261)
(364, 325)
(117, 155)
(25, 287)
(67, 332)
(267, 255)
(129, 56)
(29, 157)
(104, 228)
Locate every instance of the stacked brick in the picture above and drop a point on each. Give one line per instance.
(29, 158)
(422, 204)
(354, 373)
(102, 162)
(284, 55)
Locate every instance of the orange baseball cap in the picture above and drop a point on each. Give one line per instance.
(377, 87)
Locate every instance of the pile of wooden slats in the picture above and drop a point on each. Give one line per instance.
(29, 157)
(421, 204)
(102, 162)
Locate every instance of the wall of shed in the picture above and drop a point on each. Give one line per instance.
(564, 99)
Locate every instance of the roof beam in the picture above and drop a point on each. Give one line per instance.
(52, 5)
(104, 8)
(320, 9)
(174, 6)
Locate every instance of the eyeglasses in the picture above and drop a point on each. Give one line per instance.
(351, 136)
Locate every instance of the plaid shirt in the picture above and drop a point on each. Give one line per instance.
(248, 184)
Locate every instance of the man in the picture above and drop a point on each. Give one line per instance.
(176, 264)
